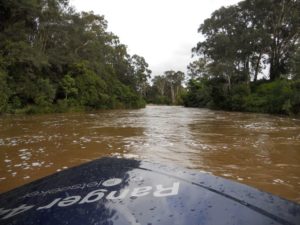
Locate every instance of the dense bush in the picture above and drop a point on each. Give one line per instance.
(241, 43)
(4, 92)
(271, 97)
(199, 94)
(54, 59)
(281, 96)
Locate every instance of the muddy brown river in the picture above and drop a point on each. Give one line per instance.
(259, 150)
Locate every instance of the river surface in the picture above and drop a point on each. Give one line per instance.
(259, 150)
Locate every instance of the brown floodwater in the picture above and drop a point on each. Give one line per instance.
(259, 150)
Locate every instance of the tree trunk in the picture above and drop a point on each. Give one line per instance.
(257, 66)
(161, 89)
(247, 70)
(274, 67)
(172, 94)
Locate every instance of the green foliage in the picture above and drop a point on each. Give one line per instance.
(274, 97)
(91, 89)
(141, 73)
(198, 69)
(241, 41)
(238, 96)
(44, 93)
(166, 89)
(68, 86)
(124, 97)
(54, 59)
(295, 98)
(277, 97)
(4, 92)
(161, 100)
(244, 38)
(198, 95)
(295, 62)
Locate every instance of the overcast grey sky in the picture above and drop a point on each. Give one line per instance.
(162, 31)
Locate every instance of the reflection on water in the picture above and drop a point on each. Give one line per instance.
(260, 150)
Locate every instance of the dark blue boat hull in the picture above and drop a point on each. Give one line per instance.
(125, 191)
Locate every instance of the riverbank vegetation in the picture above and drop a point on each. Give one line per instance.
(166, 89)
(249, 60)
(54, 59)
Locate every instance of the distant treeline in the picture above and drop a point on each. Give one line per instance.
(242, 42)
(54, 59)
(166, 89)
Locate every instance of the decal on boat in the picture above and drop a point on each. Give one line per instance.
(93, 196)
(93, 184)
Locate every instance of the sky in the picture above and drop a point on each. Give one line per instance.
(162, 31)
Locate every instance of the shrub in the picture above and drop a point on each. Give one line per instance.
(271, 97)
(4, 92)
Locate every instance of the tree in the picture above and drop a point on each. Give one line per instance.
(49, 53)
(242, 35)
(295, 61)
(140, 73)
(198, 68)
(159, 82)
(44, 93)
(174, 82)
(240, 42)
(166, 88)
(278, 25)
(68, 85)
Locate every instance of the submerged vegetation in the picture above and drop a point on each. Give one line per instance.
(54, 59)
(243, 42)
